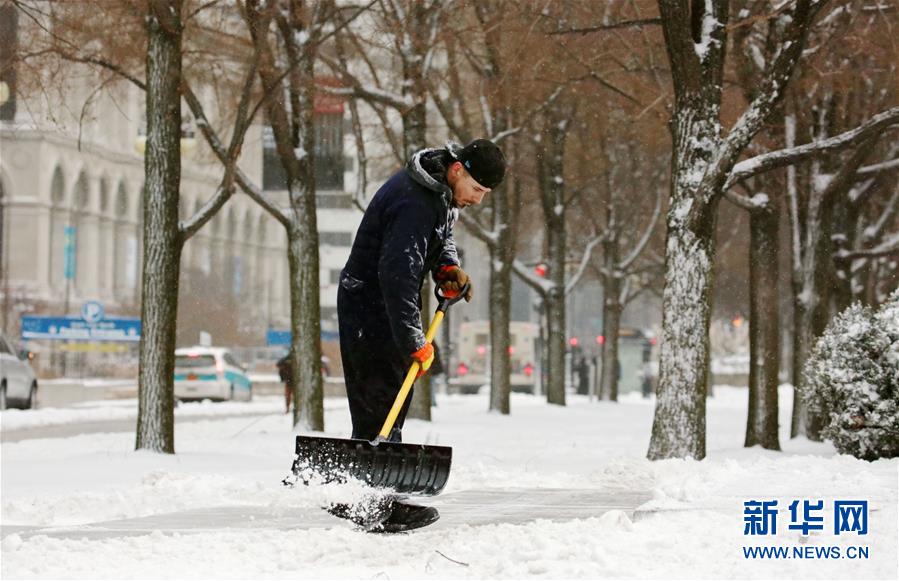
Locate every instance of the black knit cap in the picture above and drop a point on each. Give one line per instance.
(484, 161)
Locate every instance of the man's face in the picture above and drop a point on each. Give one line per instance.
(466, 191)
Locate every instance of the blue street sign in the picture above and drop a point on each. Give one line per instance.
(276, 337)
(69, 252)
(74, 328)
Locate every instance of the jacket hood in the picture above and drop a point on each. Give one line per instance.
(428, 168)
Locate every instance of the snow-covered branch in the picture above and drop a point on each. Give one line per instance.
(358, 90)
(790, 155)
(890, 245)
(876, 168)
(647, 234)
(242, 122)
(540, 285)
(478, 230)
(771, 88)
(874, 231)
(215, 143)
(638, 23)
(585, 260)
(756, 202)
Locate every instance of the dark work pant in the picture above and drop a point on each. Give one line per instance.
(373, 366)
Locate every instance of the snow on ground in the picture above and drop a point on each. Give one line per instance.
(691, 528)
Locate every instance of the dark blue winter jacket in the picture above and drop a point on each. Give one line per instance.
(406, 232)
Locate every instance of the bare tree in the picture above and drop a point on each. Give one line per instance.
(164, 236)
(412, 27)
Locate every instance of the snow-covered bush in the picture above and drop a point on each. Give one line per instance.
(853, 380)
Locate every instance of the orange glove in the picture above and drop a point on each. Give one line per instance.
(451, 279)
(425, 356)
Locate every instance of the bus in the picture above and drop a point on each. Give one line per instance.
(472, 357)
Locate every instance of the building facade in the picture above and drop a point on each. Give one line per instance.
(71, 185)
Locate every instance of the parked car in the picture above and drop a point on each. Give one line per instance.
(210, 373)
(18, 383)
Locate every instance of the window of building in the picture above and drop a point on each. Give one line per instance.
(9, 24)
(335, 238)
(104, 195)
(329, 158)
(329, 161)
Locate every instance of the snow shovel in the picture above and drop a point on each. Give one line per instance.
(414, 469)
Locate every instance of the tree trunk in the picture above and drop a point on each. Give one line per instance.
(808, 285)
(415, 120)
(679, 423)
(162, 239)
(611, 325)
(500, 314)
(414, 135)
(305, 299)
(764, 328)
(305, 321)
(292, 120)
(611, 322)
(555, 311)
(678, 429)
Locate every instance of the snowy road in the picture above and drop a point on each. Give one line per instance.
(102, 427)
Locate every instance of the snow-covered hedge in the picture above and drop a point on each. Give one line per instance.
(853, 379)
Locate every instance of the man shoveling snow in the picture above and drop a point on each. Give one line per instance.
(406, 233)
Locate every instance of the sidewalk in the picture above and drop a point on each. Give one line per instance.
(464, 508)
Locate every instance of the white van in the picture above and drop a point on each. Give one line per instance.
(472, 367)
(18, 383)
(210, 373)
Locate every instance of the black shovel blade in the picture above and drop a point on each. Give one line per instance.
(404, 468)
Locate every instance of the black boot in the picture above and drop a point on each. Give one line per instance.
(407, 516)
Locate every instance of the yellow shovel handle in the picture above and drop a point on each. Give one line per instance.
(410, 379)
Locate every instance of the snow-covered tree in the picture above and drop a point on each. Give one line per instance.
(706, 164)
(853, 380)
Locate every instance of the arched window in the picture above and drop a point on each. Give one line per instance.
(82, 193)
(260, 230)
(104, 195)
(58, 224)
(121, 202)
(122, 251)
(232, 225)
(104, 248)
(248, 227)
(81, 251)
(57, 187)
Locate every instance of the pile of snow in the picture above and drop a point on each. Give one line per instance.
(692, 526)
